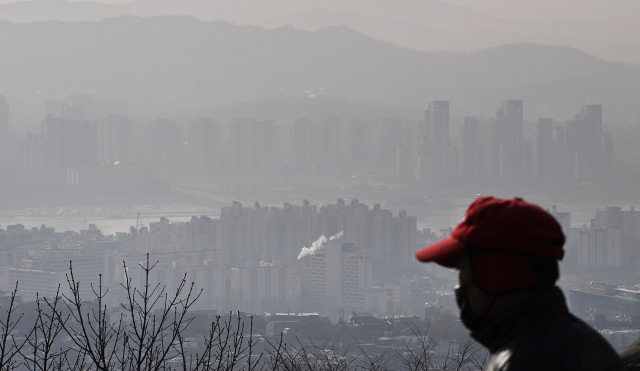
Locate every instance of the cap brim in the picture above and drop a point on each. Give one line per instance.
(443, 252)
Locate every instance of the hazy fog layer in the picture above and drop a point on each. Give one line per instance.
(168, 66)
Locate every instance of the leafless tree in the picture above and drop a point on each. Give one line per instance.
(373, 362)
(225, 348)
(157, 319)
(43, 355)
(148, 335)
(10, 347)
(469, 357)
(307, 357)
(419, 357)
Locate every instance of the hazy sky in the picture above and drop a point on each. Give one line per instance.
(543, 10)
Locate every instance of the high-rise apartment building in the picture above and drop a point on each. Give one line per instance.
(407, 226)
(252, 233)
(427, 124)
(359, 142)
(441, 143)
(564, 219)
(4, 120)
(558, 155)
(512, 151)
(593, 113)
(164, 143)
(44, 270)
(339, 275)
(204, 145)
(300, 145)
(472, 164)
(612, 238)
(240, 144)
(269, 154)
(114, 139)
(544, 148)
(383, 234)
(34, 152)
(328, 147)
(71, 144)
(584, 144)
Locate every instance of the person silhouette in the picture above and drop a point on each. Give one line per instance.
(506, 252)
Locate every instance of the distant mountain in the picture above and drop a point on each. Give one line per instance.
(436, 13)
(459, 29)
(58, 10)
(165, 65)
(606, 29)
(425, 25)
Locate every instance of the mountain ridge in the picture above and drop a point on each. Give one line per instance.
(164, 65)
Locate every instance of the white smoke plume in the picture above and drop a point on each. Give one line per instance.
(317, 244)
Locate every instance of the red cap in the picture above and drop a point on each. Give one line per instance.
(512, 226)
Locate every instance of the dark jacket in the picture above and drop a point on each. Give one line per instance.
(631, 356)
(541, 334)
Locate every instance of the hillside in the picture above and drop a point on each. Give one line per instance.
(164, 65)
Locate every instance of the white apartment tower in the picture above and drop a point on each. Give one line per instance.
(340, 276)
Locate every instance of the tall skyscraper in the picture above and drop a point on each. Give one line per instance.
(584, 144)
(270, 149)
(114, 139)
(558, 154)
(34, 152)
(164, 142)
(428, 124)
(607, 155)
(300, 144)
(359, 142)
(544, 148)
(340, 275)
(4, 119)
(4, 132)
(441, 145)
(472, 164)
(513, 149)
(240, 143)
(204, 145)
(71, 144)
(593, 115)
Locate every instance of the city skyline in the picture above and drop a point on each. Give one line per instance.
(181, 176)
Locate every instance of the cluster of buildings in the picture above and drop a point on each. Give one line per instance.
(612, 239)
(497, 148)
(39, 259)
(85, 141)
(277, 259)
(248, 259)
(254, 233)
